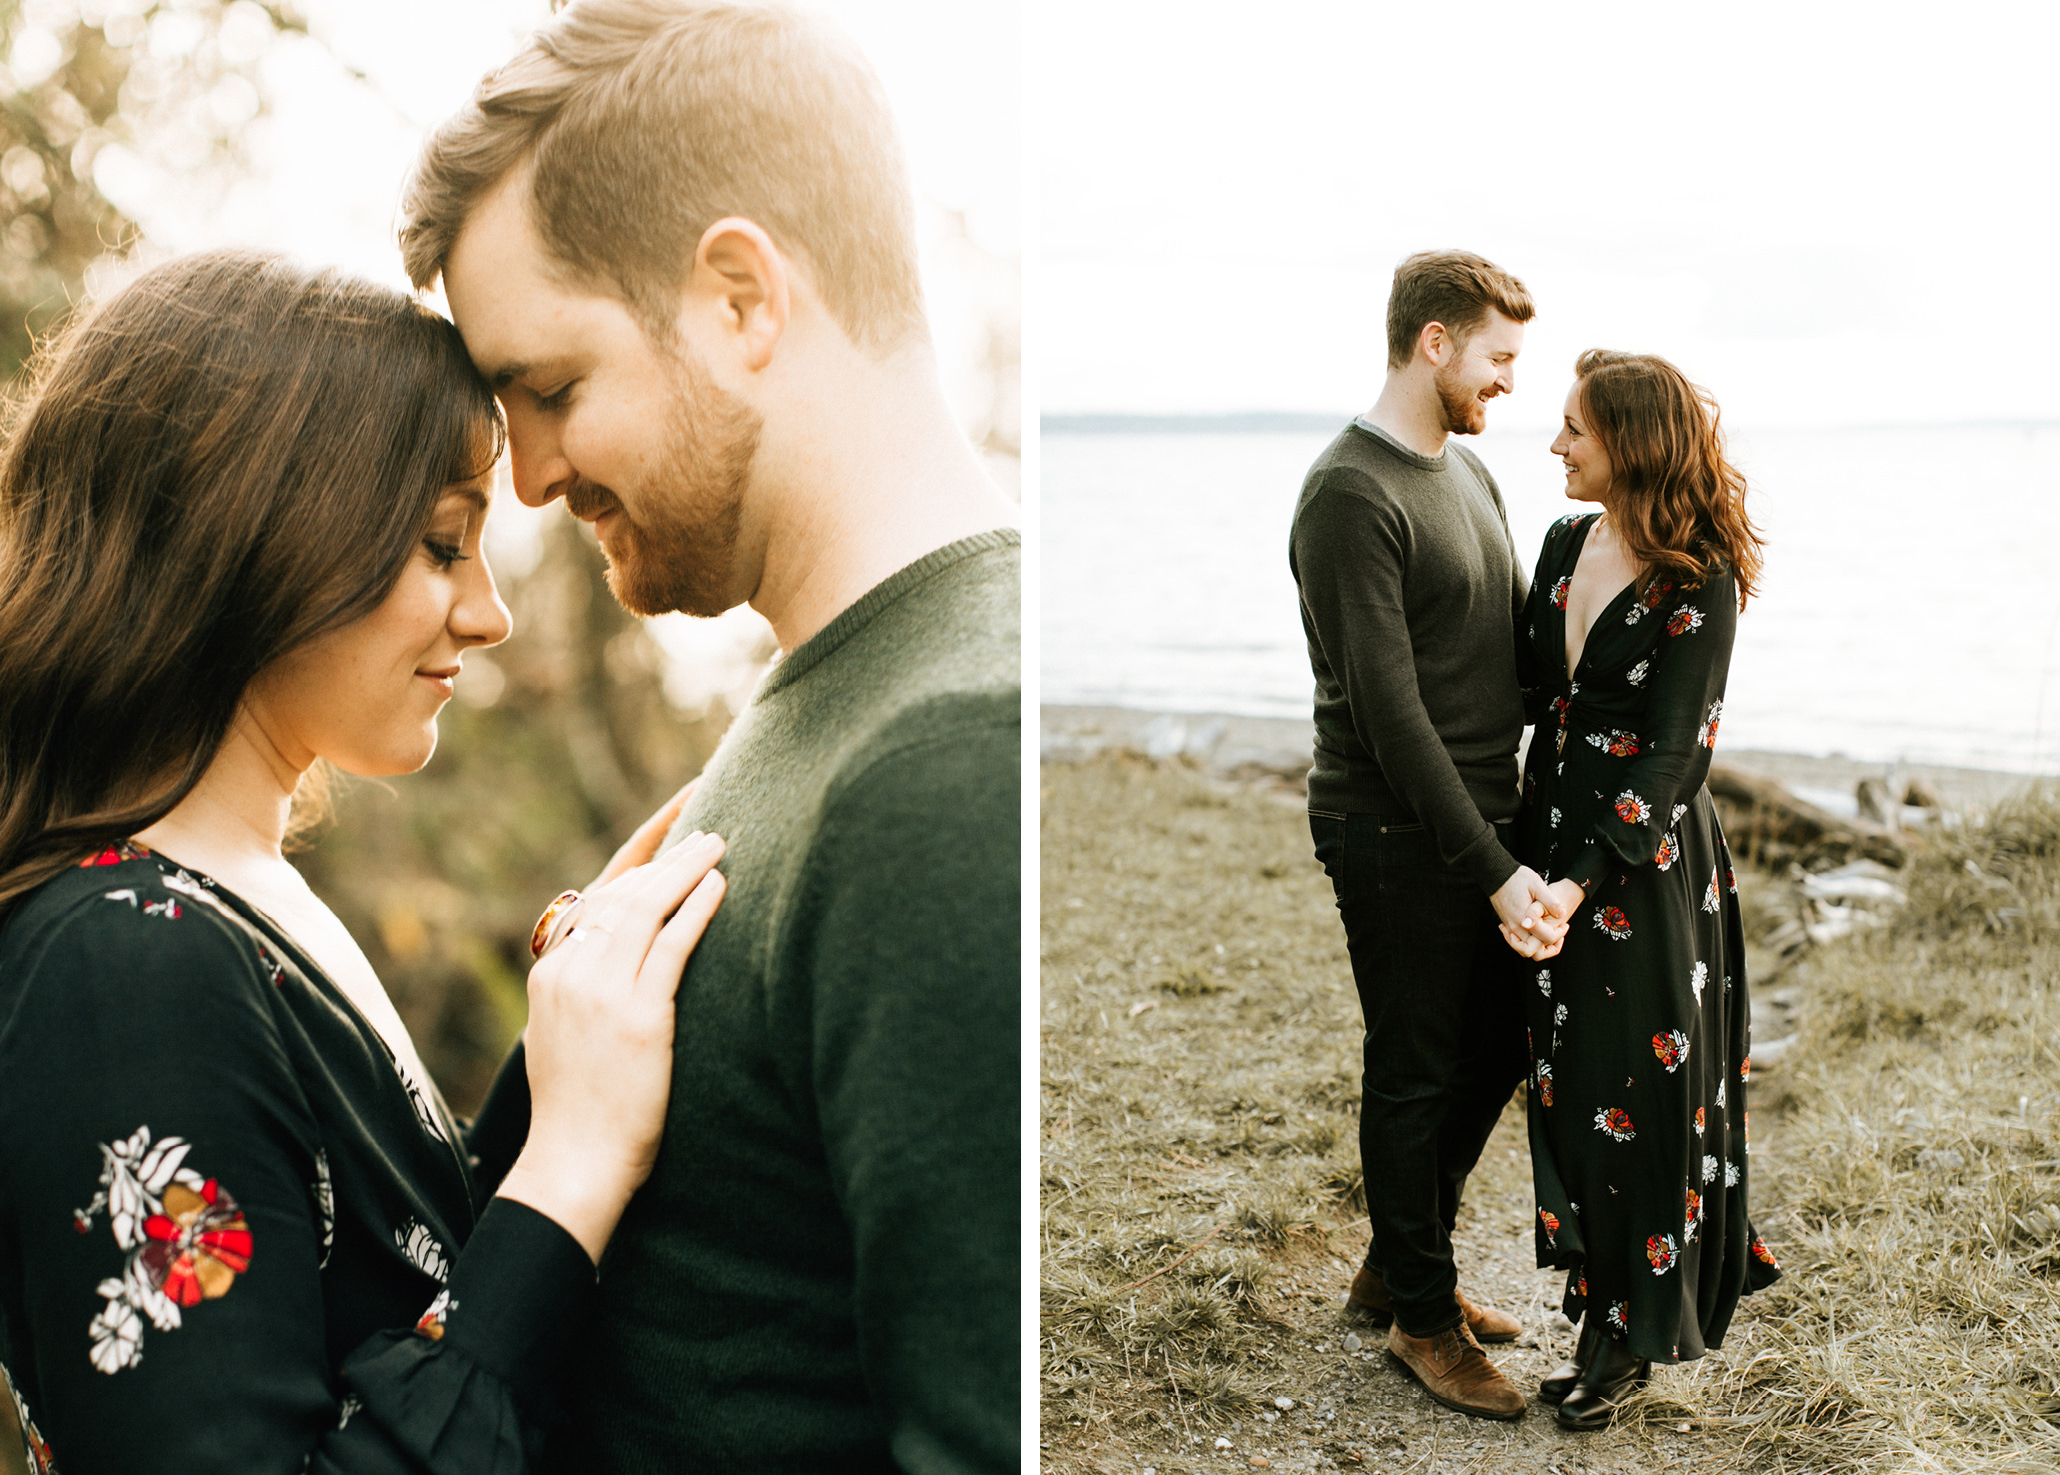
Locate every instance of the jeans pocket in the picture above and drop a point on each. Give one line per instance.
(1327, 833)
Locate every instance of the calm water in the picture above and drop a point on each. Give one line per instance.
(1910, 608)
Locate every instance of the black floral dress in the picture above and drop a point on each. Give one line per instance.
(1639, 1027)
(236, 1233)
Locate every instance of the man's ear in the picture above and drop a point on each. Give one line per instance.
(740, 275)
(1435, 344)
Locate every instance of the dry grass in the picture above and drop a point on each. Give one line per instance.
(1201, 1179)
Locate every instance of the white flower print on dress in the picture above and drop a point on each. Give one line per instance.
(419, 1098)
(1708, 736)
(1661, 1251)
(1720, 1091)
(1679, 810)
(1555, 816)
(431, 1323)
(1712, 898)
(1730, 1175)
(185, 1239)
(41, 1460)
(414, 1240)
(1614, 1121)
(1618, 1316)
(1698, 979)
(1616, 742)
(1559, 1015)
(1545, 982)
(1709, 1169)
(325, 1205)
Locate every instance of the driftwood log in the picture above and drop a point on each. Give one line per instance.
(1767, 825)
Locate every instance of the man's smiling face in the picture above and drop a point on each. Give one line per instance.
(1480, 368)
(636, 435)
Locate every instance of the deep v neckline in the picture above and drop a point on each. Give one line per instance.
(1570, 667)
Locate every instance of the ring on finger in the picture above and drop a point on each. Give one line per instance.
(557, 922)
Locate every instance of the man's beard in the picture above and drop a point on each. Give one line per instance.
(679, 552)
(1464, 412)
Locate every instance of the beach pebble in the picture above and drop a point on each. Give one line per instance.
(1221, 1442)
(1352, 1342)
(1283, 1404)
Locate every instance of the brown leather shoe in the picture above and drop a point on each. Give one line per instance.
(1369, 1297)
(1454, 1370)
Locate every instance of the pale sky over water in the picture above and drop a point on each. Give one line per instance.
(1829, 214)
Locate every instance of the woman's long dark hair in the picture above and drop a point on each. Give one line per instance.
(1677, 503)
(228, 457)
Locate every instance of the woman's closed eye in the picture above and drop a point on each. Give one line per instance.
(555, 400)
(443, 553)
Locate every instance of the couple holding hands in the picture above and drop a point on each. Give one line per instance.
(746, 1195)
(1576, 929)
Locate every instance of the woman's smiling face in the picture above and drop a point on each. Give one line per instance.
(366, 696)
(1581, 452)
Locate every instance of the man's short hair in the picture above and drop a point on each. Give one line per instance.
(646, 121)
(1456, 288)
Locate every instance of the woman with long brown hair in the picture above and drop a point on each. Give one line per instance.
(240, 519)
(1638, 1024)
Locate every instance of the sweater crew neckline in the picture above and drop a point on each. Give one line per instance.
(861, 612)
(1414, 458)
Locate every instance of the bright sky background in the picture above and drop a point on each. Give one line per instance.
(1829, 214)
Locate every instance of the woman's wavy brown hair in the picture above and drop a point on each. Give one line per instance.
(227, 458)
(1676, 502)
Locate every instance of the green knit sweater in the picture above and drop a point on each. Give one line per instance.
(822, 1272)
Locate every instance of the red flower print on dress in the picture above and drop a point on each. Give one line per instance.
(115, 854)
(1662, 1252)
(1685, 620)
(1761, 1253)
(1701, 1121)
(185, 1238)
(1631, 809)
(1619, 1316)
(199, 1244)
(1671, 1046)
(1551, 1222)
(1669, 851)
(1615, 1122)
(1559, 593)
(1616, 742)
(1613, 921)
(1708, 736)
(1693, 1219)
(1712, 898)
(431, 1323)
(1544, 1083)
(41, 1460)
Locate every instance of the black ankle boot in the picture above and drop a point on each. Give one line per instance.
(1561, 1380)
(1610, 1376)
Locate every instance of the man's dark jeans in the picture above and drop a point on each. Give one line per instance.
(1444, 1044)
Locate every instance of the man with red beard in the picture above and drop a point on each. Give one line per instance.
(678, 239)
(1409, 589)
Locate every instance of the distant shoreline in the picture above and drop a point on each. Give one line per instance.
(1226, 744)
(1310, 422)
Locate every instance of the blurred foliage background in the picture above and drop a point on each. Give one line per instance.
(561, 740)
